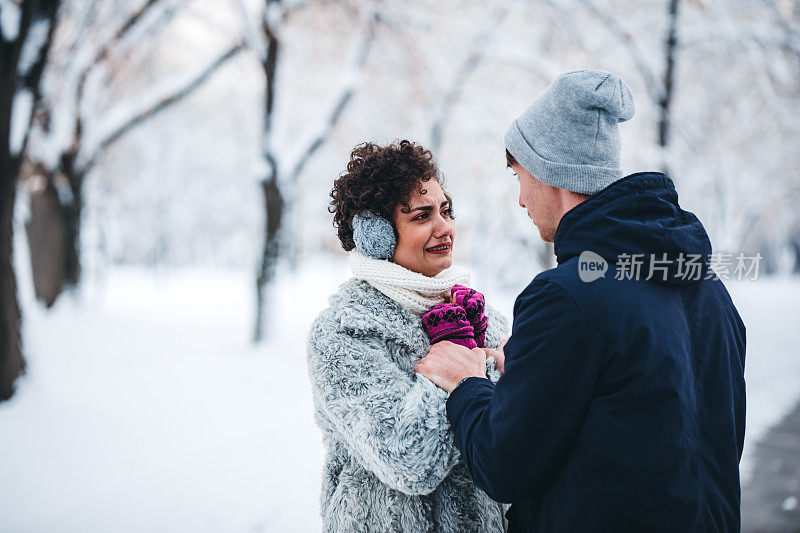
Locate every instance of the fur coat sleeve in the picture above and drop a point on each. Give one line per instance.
(393, 423)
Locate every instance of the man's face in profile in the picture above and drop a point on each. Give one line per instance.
(540, 200)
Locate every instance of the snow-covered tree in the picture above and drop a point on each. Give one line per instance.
(282, 166)
(26, 30)
(83, 111)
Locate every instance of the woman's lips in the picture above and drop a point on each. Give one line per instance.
(440, 249)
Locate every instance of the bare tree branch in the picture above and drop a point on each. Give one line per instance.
(669, 76)
(130, 23)
(253, 39)
(101, 55)
(790, 26)
(471, 62)
(344, 97)
(654, 88)
(154, 106)
(30, 79)
(763, 38)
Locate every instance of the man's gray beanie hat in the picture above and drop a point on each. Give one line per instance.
(568, 137)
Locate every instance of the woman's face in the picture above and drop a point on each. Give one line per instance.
(425, 231)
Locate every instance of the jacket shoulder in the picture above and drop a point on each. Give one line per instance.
(596, 299)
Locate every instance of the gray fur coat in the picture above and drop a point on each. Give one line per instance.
(391, 463)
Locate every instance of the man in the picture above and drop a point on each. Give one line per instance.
(621, 406)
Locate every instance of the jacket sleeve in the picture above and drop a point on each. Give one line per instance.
(394, 424)
(513, 435)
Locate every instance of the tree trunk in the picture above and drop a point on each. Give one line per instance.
(794, 246)
(46, 240)
(273, 208)
(273, 199)
(11, 362)
(275, 241)
(669, 76)
(53, 229)
(71, 209)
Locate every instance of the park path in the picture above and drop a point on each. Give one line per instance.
(771, 498)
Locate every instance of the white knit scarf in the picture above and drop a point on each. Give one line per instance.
(414, 291)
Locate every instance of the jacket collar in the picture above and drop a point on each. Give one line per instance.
(360, 307)
(638, 214)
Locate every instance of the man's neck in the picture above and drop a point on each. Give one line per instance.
(570, 199)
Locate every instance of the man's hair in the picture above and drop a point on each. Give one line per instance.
(378, 179)
(510, 159)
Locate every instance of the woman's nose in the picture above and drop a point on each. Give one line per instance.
(444, 227)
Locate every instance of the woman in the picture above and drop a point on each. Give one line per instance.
(391, 462)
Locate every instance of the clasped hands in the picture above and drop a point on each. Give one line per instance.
(457, 330)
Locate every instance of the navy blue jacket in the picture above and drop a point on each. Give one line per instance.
(622, 405)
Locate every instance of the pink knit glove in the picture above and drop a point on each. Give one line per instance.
(474, 304)
(448, 322)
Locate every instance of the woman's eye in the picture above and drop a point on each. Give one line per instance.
(448, 212)
(420, 217)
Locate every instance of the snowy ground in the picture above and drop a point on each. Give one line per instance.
(145, 408)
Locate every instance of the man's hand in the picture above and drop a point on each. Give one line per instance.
(447, 364)
(499, 357)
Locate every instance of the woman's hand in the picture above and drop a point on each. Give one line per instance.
(474, 304)
(448, 322)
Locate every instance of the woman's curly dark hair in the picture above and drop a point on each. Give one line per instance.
(378, 179)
